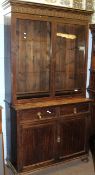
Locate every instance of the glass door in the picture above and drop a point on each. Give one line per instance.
(70, 58)
(33, 58)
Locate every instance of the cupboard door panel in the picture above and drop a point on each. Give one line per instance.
(38, 143)
(72, 136)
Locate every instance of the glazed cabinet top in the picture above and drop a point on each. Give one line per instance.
(45, 51)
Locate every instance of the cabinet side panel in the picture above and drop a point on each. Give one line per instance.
(8, 130)
(11, 135)
(14, 137)
(7, 63)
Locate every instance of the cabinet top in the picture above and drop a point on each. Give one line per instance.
(23, 6)
(48, 103)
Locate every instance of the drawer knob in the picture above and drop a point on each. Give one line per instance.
(58, 139)
(48, 111)
(75, 110)
(39, 115)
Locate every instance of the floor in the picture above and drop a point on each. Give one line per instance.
(76, 167)
(92, 148)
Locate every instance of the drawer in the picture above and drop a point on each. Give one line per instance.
(38, 113)
(74, 108)
(82, 107)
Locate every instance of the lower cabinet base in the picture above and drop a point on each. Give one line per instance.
(48, 135)
(35, 168)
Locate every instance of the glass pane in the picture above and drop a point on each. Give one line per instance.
(33, 58)
(70, 57)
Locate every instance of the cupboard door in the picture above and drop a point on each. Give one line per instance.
(73, 136)
(38, 142)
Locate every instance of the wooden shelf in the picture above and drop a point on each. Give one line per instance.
(53, 102)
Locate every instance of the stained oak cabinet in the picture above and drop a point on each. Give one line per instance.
(47, 112)
(50, 134)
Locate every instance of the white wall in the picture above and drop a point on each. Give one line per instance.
(89, 58)
(2, 87)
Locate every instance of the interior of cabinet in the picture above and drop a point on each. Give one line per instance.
(70, 57)
(50, 58)
(33, 63)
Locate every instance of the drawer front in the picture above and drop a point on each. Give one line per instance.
(37, 114)
(74, 108)
(82, 107)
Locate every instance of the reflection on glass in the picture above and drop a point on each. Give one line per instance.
(78, 4)
(70, 57)
(33, 58)
(65, 35)
(89, 4)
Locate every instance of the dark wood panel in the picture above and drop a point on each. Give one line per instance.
(14, 138)
(38, 143)
(93, 118)
(72, 137)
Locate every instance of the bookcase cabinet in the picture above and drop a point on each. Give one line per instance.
(47, 112)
